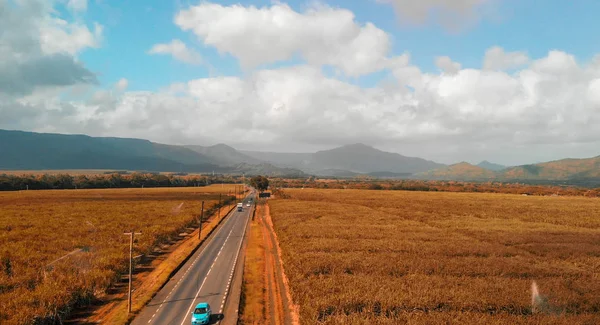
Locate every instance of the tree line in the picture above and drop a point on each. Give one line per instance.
(112, 180)
(439, 186)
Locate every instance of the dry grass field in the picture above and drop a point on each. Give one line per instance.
(38, 229)
(395, 257)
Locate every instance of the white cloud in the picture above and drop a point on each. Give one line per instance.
(321, 35)
(178, 50)
(59, 36)
(447, 65)
(453, 14)
(545, 108)
(122, 84)
(497, 59)
(37, 49)
(472, 114)
(557, 62)
(77, 5)
(594, 91)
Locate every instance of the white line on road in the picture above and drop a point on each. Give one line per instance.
(210, 269)
(206, 277)
(234, 264)
(210, 240)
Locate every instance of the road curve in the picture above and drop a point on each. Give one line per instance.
(205, 277)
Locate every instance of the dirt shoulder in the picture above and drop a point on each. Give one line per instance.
(266, 295)
(150, 275)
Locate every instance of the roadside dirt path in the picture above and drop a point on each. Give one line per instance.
(279, 305)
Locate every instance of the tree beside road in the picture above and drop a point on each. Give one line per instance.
(260, 183)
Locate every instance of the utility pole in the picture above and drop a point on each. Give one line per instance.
(200, 223)
(130, 234)
(219, 213)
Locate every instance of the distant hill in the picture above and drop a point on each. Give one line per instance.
(348, 160)
(460, 171)
(47, 151)
(584, 172)
(491, 166)
(565, 169)
(283, 159)
(38, 151)
(225, 155)
(361, 158)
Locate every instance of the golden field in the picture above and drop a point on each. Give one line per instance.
(396, 257)
(38, 228)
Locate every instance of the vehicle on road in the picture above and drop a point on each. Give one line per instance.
(201, 314)
(247, 204)
(240, 206)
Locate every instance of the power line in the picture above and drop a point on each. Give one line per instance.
(200, 221)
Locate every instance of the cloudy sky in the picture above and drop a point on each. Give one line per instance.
(509, 81)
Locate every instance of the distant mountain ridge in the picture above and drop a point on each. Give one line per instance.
(563, 169)
(21, 150)
(574, 171)
(491, 166)
(29, 150)
(349, 160)
(283, 159)
(365, 159)
(460, 171)
(224, 154)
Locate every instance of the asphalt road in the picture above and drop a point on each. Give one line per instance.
(205, 277)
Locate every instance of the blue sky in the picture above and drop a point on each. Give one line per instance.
(513, 82)
(131, 28)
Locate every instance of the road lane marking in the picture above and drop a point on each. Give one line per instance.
(206, 277)
(211, 239)
(195, 260)
(234, 264)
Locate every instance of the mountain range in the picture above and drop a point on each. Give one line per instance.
(491, 166)
(348, 160)
(584, 171)
(21, 150)
(47, 151)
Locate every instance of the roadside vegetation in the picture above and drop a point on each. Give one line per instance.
(550, 188)
(399, 257)
(62, 248)
(27, 180)
(253, 304)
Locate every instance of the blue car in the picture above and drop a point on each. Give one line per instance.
(201, 314)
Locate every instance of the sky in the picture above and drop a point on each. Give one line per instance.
(508, 81)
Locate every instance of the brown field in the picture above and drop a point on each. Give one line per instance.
(396, 257)
(37, 228)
